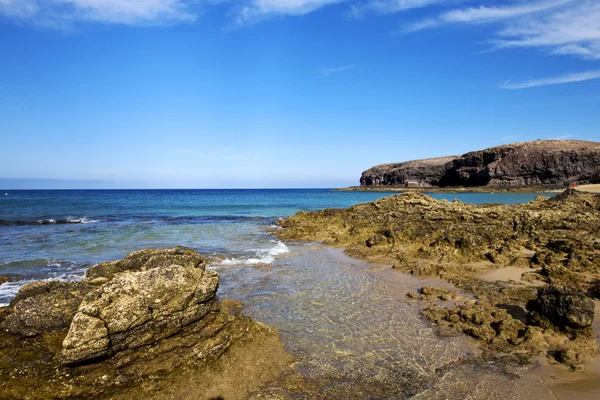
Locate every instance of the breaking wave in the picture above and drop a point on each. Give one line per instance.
(263, 256)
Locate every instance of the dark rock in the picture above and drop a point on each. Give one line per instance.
(561, 307)
(541, 163)
(418, 173)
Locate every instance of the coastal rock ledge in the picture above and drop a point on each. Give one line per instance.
(148, 324)
(548, 247)
(544, 163)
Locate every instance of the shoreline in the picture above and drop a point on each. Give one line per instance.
(520, 251)
(560, 381)
(591, 188)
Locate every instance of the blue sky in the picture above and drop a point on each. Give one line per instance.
(282, 93)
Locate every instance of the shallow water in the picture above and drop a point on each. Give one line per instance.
(353, 337)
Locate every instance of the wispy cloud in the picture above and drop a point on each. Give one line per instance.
(260, 9)
(387, 6)
(326, 71)
(479, 14)
(64, 13)
(574, 77)
(564, 27)
(572, 29)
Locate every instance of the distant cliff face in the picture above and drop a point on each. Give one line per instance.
(539, 163)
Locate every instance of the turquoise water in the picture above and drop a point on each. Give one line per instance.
(53, 234)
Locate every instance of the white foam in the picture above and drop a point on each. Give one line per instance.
(10, 289)
(264, 256)
(280, 248)
(83, 220)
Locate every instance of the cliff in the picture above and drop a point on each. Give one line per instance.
(553, 163)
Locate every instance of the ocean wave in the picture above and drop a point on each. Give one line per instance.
(49, 221)
(263, 256)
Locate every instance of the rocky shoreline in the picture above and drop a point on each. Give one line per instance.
(148, 324)
(554, 242)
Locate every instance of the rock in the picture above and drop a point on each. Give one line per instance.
(419, 173)
(539, 163)
(139, 308)
(433, 292)
(482, 321)
(6, 278)
(457, 242)
(429, 237)
(44, 306)
(561, 307)
(149, 325)
(146, 259)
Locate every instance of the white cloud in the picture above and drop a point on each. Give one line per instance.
(562, 27)
(574, 77)
(387, 6)
(420, 25)
(258, 9)
(479, 14)
(573, 30)
(63, 13)
(326, 71)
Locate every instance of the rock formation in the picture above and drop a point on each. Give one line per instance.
(552, 163)
(554, 240)
(149, 323)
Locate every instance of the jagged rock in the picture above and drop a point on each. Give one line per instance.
(485, 322)
(539, 163)
(146, 259)
(433, 292)
(499, 331)
(457, 242)
(561, 307)
(150, 325)
(441, 238)
(139, 308)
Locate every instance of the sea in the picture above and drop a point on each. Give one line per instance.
(58, 234)
(348, 324)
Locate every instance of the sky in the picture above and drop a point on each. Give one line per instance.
(282, 93)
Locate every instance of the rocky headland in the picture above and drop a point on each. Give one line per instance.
(538, 164)
(149, 325)
(551, 242)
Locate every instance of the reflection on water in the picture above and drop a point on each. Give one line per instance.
(353, 339)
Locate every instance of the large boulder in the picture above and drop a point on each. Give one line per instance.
(561, 307)
(139, 308)
(149, 325)
(43, 306)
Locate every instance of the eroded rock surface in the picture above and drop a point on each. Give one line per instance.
(150, 323)
(553, 240)
(561, 307)
(538, 163)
